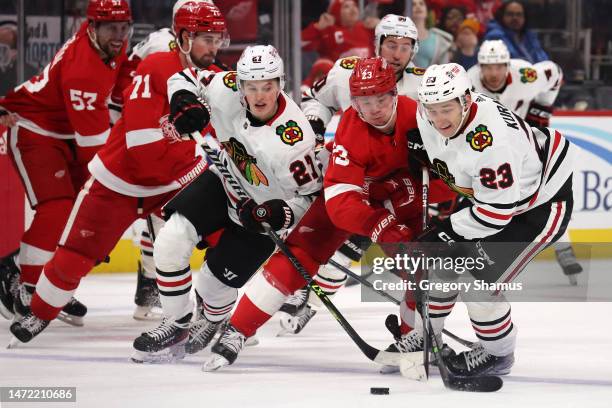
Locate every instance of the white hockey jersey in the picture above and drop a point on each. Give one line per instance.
(331, 94)
(525, 83)
(500, 163)
(271, 160)
(157, 41)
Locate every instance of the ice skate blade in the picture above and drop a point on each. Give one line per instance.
(13, 343)
(214, 363)
(167, 356)
(288, 324)
(573, 280)
(147, 313)
(389, 369)
(76, 321)
(412, 370)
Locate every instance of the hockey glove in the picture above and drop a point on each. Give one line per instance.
(387, 230)
(276, 213)
(187, 113)
(538, 115)
(318, 128)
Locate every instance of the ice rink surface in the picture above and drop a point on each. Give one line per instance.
(563, 359)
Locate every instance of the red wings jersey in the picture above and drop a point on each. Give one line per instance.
(139, 160)
(162, 40)
(504, 166)
(363, 157)
(68, 99)
(331, 94)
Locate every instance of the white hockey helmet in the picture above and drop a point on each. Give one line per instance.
(443, 83)
(259, 62)
(493, 52)
(398, 26)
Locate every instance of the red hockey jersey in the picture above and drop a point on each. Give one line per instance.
(138, 159)
(68, 100)
(368, 167)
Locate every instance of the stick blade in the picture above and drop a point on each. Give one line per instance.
(487, 383)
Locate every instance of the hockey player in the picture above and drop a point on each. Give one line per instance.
(396, 40)
(124, 182)
(368, 191)
(529, 90)
(162, 40)
(268, 147)
(519, 181)
(59, 119)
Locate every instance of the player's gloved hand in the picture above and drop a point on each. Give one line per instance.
(387, 229)
(276, 213)
(318, 128)
(538, 115)
(187, 113)
(440, 231)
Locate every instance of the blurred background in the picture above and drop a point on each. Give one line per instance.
(576, 34)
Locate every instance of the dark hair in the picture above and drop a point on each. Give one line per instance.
(446, 11)
(499, 13)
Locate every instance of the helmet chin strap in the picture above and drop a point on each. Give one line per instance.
(91, 33)
(187, 53)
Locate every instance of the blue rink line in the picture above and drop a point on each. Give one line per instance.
(248, 367)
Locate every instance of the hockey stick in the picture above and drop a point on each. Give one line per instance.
(367, 284)
(378, 356)
(487, 383)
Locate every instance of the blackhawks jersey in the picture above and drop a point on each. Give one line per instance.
(272, 160)
(525, 83)
(499, 162)
(331, 94)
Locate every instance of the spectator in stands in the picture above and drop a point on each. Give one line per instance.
(340, 33)
(435, 45)
(466, 43)
(510, 26)
(450, 19)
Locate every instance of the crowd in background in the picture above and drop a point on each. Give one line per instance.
(449, 31)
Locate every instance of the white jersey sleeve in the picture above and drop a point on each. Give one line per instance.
(330, 94)
(551, 78)
(157, 41)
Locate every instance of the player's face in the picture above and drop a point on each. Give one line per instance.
(204, 48)
(494, 75)
(262, 97)
(445, 116)
(397, 52)
(376, 109)
(111, 36)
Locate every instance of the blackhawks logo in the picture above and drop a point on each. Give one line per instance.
(290, 133)
(479, 138)
(229, 80)
(415, 71)
(172, 45)
(348, 62)
(528, 75)
(246, 163)
(441, 169)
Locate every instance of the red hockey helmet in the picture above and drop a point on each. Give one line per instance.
(371, 76)
(108, 10)
(198, 16)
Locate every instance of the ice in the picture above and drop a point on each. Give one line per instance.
(563, 359)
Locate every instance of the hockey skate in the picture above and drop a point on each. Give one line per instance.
(295, 324)
(226, 349)
(567, 259)
(72, 313)
(26, 328)
(296, 302)
(201, 334)
(146, 298)
(9, 284)
(164, 344)
(478, 362)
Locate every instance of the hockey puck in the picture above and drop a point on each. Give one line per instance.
(379, 390)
